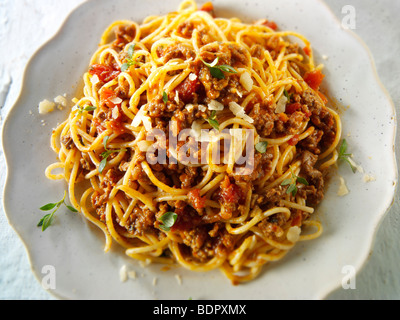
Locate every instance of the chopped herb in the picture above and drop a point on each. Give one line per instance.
(343, 155)
(129, 62)
(261, 147)
(287, 95)
(168, 220)
(106, 154)
(86, 108)
(46, 221)
(165, 97)
(292, 183)
(212, 120)
(218, 71)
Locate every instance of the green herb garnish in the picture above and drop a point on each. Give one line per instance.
(287, 95)
(129, 62)
(343, 155)
(46, 221)
(292, 183)
(86, 108)
(218, 71)
(212, 120)
(165, 97)
(106, 154)
(168, 220)
(261, 147)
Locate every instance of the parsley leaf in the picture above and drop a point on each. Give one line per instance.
(212, 120)
(292, 183)
(261, 147)
(86, 108)
(47, 219)
(287, 95)
(106, 154)
(168, 220)
(129, 62)
(165, 97)
(344, 156)
(218, 71)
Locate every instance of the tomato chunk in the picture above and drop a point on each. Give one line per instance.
(307, 51)
(195, 198)
(107, 97)
(314, 79)
(230, 192)
(294, 141)
(293, 107)
(187, 89)
(270, 24)
(105, 73)
(208, 7)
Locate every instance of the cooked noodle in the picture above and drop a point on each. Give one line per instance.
(161, 75)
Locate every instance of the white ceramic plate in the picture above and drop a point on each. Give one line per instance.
(75, 248)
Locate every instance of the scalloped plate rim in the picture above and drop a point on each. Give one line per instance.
(379, 216)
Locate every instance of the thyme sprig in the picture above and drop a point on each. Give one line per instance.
(47, 220)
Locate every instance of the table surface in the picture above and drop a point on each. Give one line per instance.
(26, 24)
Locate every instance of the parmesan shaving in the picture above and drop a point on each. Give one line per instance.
(144, 145)
(116, 100)
(147, 123)
(192, 76)
(60, 100)
(123, 274)
(293, 234)
(369, 178)
(215, 105)
(238, 111)
(138, 117)
(177, 100)
(189, 107)
(281, 105)
(46, 106)
(132, 274)
(342, 191)
(95, 79)
(246, 81)
(197, 133)
(354, 164)
(178, 279)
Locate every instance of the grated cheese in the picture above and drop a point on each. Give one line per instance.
(141, 117)
(246, 81)
(116, 100)
(281, 105)
(144, 145)
(123, 274)
(238, 111)
(215, 105)
(293, 234)
(60, 100)
(369, 178)
(192, 76)
(95, 79)
(342, 191)
(202, 108)
(46, 106)
(189, 107)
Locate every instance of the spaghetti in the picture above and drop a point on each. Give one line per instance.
(189, 70)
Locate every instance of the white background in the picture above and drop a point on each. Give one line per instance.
(25, 25)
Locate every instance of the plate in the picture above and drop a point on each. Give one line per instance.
(73, 249)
